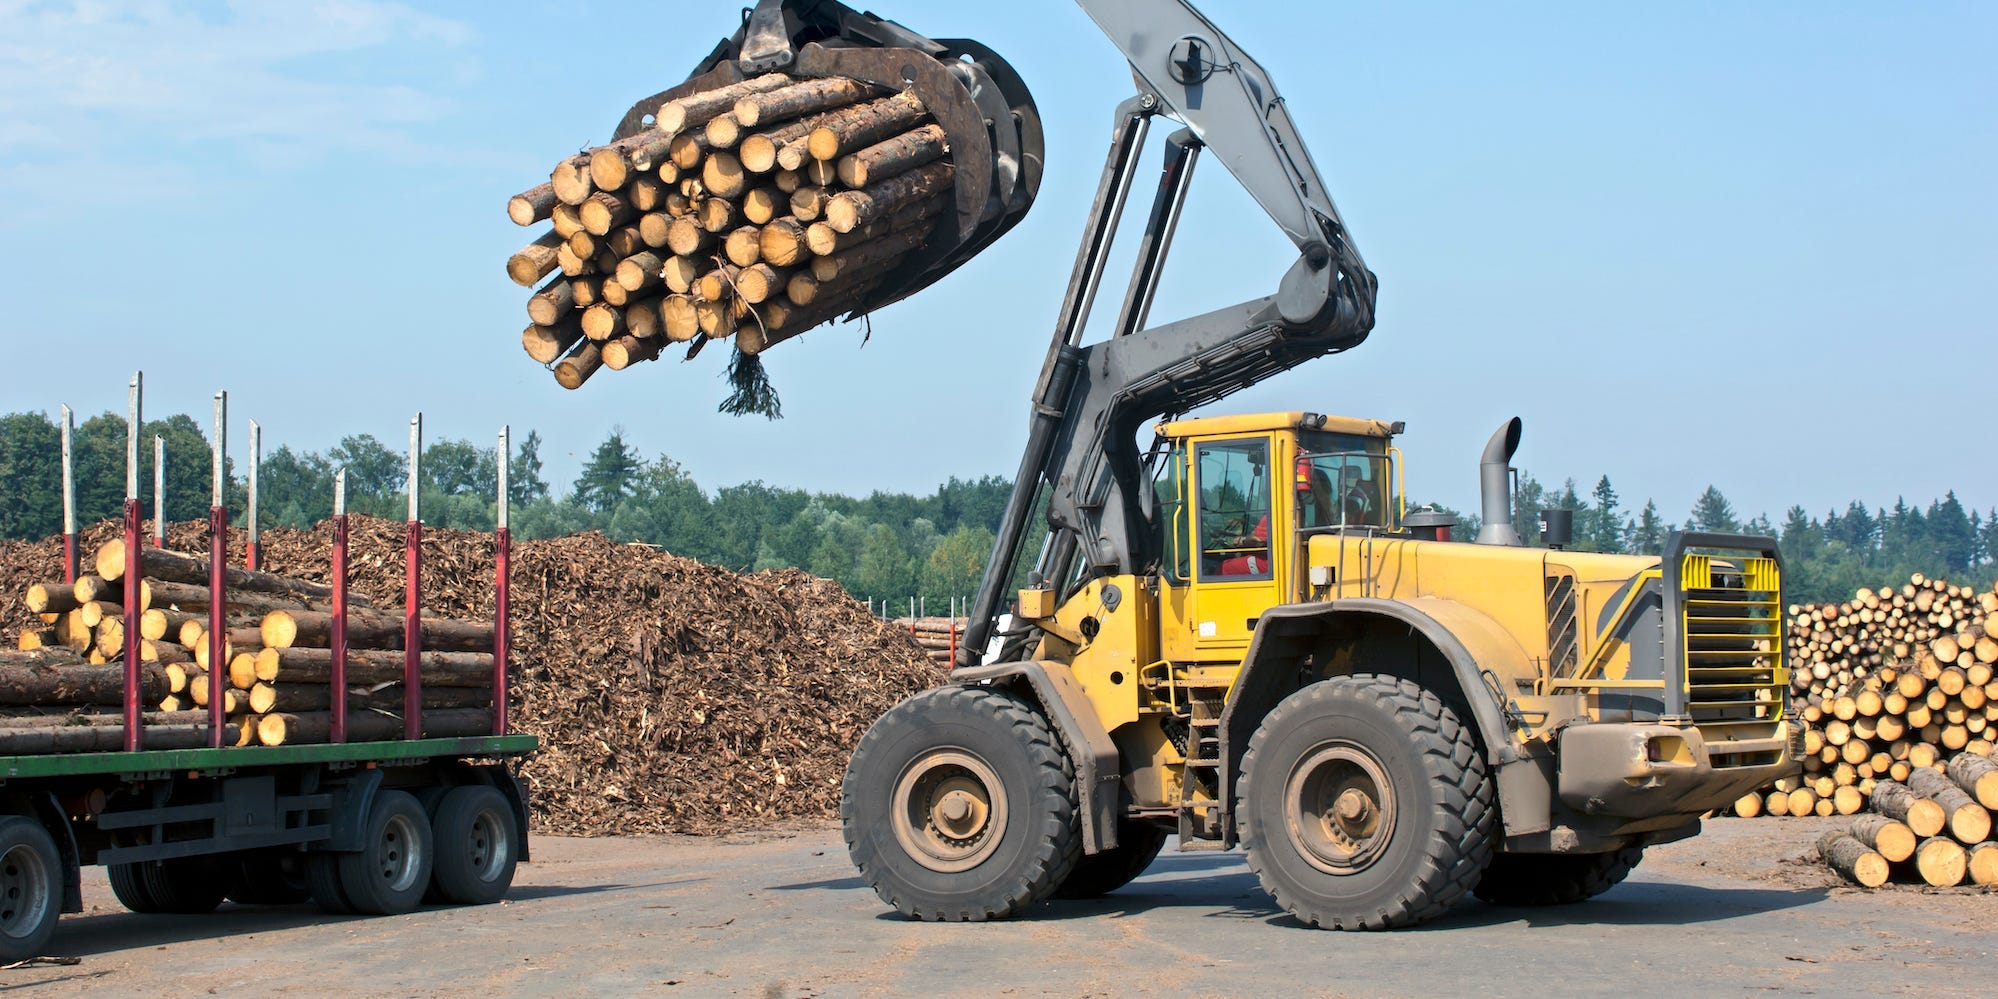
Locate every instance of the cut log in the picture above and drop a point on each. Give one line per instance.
(201, 689)
(1892, 840)
(626, 351)
(372, 666)
(852, 209)
(308, 728)
(90, 586)
(534, 261)
(555, 300)
(758, 152)
(25, 680)
(719, 215)
(715, 318)
(265, 698)
(56, 598)
(654, 228)
(566, 222)
(694, 110)
(892, 156)
(604, 211)
(612, 166)
(1967, 820)
(762, 204)
(686, 154)
(757, 283)
(97, 738)
(572, 371)
(531, 206)
(546, 343)
(677, 312)
(1748, 806)
(192, 597)
(681, 272)
(157, 623)
(647, 194)
(1940, 862)
(774, 106)
(570, 180)
(1983, 864)
(179, 568)
(372, 630)
(809, 202)
(1850, 857)
(603, 321)
(723, 131)
(686, 237)
(744, 246)
(860, 127)
(626, 241)
(717, 284)
(783, 242)
(825, 241)
(1976, 775)
(640, 271)
(1896, 801)
(641, 317)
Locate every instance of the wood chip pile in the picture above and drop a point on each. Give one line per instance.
(669, 695)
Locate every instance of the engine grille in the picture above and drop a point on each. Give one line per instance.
(1736, 684)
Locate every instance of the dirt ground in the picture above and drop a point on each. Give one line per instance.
(1738, 910)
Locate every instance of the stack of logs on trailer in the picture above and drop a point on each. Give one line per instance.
(753, 211)
(937, 635)
(59, 692)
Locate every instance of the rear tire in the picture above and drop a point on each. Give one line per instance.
(1538, 879)
(31, 877)
(477, 841)
(183, 885)
(1099, 874)
(322, 880)
(263, 877)
(391, 871)
(1364, 804)
(959, 805)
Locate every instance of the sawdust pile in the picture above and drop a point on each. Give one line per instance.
(669, 695)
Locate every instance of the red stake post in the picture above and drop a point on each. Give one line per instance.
(339, 643)
(412, 620)
(134, 560)
(218, 578)
(502, 569)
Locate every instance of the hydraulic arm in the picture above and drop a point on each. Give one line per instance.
(1091, 400)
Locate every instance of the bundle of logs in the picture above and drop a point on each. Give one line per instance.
(1935, 829)
(60, 692)
(753, 211)
(1891, 682)
(939, 636)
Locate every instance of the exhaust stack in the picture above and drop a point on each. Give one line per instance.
(1495, 487)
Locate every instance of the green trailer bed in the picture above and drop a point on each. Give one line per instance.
(398, 752)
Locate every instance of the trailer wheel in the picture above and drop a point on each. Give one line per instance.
(390, 872)
(30, 889)
(1364, 804)
(477, 841)
(184, 885)
(1098, 874)
(262, 877)
(959, 805)
(322, 881)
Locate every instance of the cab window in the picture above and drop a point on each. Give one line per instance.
(1342, 481)
(1234, 483)
(1169, 486)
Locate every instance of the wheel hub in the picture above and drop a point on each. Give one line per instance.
(24, 891)
(1339, 807)
(949, 811)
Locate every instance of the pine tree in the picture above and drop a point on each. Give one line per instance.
(1712, 512)
(524, 483)
(1648, 538)
(610, 476)
(1606, 534)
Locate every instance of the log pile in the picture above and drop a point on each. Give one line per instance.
(669, 696)
(274, 674)
(750, 213)
(938, 636)
(1929, 831)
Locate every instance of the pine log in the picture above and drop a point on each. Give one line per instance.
(602, 321)
(1940, 862)
(723, 131)
(307, 728)
(1897, 801)
(762, 204)
(29, 641)
(824, 240)
(179, 568)
(798, 99)
(806, 287)
(627, 241)
(640, 271)
(694, 110)
(1983, 864)
(642, 318)
(744, 246)
(1748, 806)
(157, 623)
(647, 193)
(547, 306)
(719, 215)
(565, 221)
(265, 698)
(859, 127)
(201, 689)
(1850, 857)
(677, 312)
(686, 154)
(33, 678)
(54, 598)
(715, 318)
(192, 597)
(758, 152)
(531, 206)
(1977, 776)
(603, 211)
(612, 293)
(685, 237)
(822, 173)
(372, 630)
(24, 741)
(759, 282)
(653, 229)
(783, 242)
(626, 351)
(612, 166)
(789, 179)
(534, 261)
(546, 343)
(90, 586)
(572, 371)
(1892, 840)
(373, 666)
(681, 272)
(808, 202)
(1968, 821)
(892, 156)
(570, 180)
(889, 248)
(852, 209)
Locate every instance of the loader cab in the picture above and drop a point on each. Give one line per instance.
(1237, 498)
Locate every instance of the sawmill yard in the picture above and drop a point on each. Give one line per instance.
(1741, 908)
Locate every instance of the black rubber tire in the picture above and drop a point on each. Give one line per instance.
(1537, 879)
(477, 843)
(1441, 839)
(31, 886)
(184, 885)
(264, 877)
(1039, 839)
(391, 871)
(322, 881)
(1099, 874)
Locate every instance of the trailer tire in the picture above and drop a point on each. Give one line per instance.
(391, 871)
(322, 880)
(477, 841)
(31, 877)
(261, 877)
(183, 886)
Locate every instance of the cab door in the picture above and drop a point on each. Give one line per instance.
(1239, 550)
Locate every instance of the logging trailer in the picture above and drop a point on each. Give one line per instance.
(376, 816)
(1238, 635)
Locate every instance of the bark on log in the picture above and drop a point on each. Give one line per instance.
(570, 180)
(1851, 858)
(853, 209)
(97, 738)
(809, 202)
(693, 110)
(798, 99)
(532, 205)
(372, 630)
(91, 586)
(28, 680)
(758, 152)
(373, 666)
(722, 174)
(759, 282)
(556, 299)
(193, 597)
(824, 240)
(157, 623)
(54, 598)
(265, 698)
(640, 271)
(783, 242)
(1897, 801)
(1940, 862)
(603, 212)
(1887, 837)
(892, 156)
(744, 246)
(176, 567)
(316, 727)
(546, 343)
(857, 128)
(1976, 775)
(577, 368)
(534, 261)
(1968, 821)
(612, 166)
(626, 351)
(565, 221)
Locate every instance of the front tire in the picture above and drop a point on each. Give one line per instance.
(959, 806)
(1539, 879)
(1364, 804)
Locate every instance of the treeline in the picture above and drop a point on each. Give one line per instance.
(883, 547)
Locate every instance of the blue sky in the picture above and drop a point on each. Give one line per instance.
(1690, 244)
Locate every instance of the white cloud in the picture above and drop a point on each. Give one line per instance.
(86, 85)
